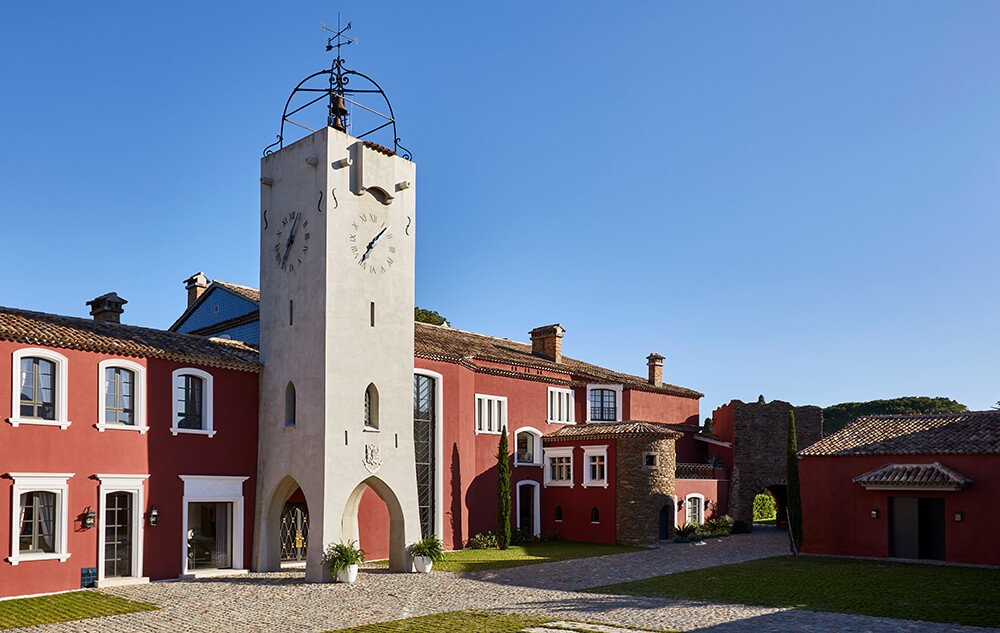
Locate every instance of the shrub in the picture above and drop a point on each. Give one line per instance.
(548, 537)
(341, 555)
(686, 530)
(483, 540)
(764, 507)
(520, 536)
(430, 547)
(720, 526)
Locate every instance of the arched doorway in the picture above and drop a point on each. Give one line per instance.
(667, 522)
(399, 559)
(286, 508)
(294, 535)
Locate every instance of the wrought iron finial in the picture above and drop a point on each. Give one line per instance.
(340, 95)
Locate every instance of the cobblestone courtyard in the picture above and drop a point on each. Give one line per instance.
(283, 601)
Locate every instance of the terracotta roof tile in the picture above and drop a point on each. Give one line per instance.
(970, 432)
(437, 342)
(382, 149)
(628, 428)
(934, 475)
(39, 328)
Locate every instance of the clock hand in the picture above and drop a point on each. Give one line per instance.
(371, 245)
(291, 238)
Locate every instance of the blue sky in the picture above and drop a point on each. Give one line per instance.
(792, 199)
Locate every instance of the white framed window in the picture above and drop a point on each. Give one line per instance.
(121, 399)
(604, 403)
(650, 460)
(527, 447)
(561, 406)
(40, 521)
(491, 413)
(40, 386)
(694, 506)
(559, 466)
(595, 466)
(193, 402)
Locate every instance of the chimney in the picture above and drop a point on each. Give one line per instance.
(196, 284)
(655, 363)
(546, 341)
(107, 308)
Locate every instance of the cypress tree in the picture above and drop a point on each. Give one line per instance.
(794, 498)
(503, 492)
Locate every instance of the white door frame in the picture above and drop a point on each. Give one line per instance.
(536, 529)
(214, 489)
(133, 484)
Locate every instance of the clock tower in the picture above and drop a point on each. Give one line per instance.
(337, 236)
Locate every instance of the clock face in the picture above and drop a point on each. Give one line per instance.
(371, 243)
(291, 241)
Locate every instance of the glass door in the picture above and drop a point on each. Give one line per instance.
(210, 535)
(118, 535)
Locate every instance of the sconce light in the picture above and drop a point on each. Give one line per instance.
(680, 503)
(959, 516)
(89, 518)
(153, 516)
(708, 503)
(874, 513)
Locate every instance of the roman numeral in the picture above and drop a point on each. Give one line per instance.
(392, 249)
(354, 249)
(389, 261)
(353, 238)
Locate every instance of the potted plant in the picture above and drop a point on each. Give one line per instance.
(343, 559)
(426, 552)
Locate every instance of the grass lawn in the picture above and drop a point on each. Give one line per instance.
(464, 621)
(516, 555)
(62, 607)
(959, 595)
(469, 622)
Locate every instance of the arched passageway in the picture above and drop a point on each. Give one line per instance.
(667, 522)
(283, 533)
(399, 559)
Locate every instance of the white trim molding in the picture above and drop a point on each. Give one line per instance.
(132, 484)
(618, 401)
(438, 448)
(595, 451)
(219, 489)
(536, 446)
(562, 406)
(138, 395)
(550, 453)
(701, 507)
(495, 410)
(61, 387)
(56, 483)
(536, 527)
(207, 403)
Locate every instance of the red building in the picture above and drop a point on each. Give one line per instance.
(121, 440)
(908, 486)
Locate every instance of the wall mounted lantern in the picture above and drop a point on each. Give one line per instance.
(874, 513)
(89, 518)
(153, 516)
(959, 516)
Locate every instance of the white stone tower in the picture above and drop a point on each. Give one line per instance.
(338, 229)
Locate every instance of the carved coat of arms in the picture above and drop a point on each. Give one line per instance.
(373, 460)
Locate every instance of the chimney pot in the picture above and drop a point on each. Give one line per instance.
(655, 364)
(546, 341)
(107, 308)
(196, 285)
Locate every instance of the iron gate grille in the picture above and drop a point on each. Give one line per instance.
(294, 531)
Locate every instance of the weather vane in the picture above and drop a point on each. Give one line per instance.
(339, 94)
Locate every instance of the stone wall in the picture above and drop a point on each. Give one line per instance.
(642, 492)
(759, 450)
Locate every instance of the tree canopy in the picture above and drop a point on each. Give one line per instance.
(422, 315)
(836, 417)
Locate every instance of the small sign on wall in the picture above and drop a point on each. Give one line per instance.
(88, 577)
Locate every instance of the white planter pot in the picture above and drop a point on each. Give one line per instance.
(347, 574)
(423, 564)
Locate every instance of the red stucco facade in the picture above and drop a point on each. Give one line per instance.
(84, 451)
(837, 512)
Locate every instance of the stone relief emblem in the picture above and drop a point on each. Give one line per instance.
(373, 460)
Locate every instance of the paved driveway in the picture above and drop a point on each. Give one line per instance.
(285, 602)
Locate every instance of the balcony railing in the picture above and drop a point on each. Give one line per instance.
(699, 471)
